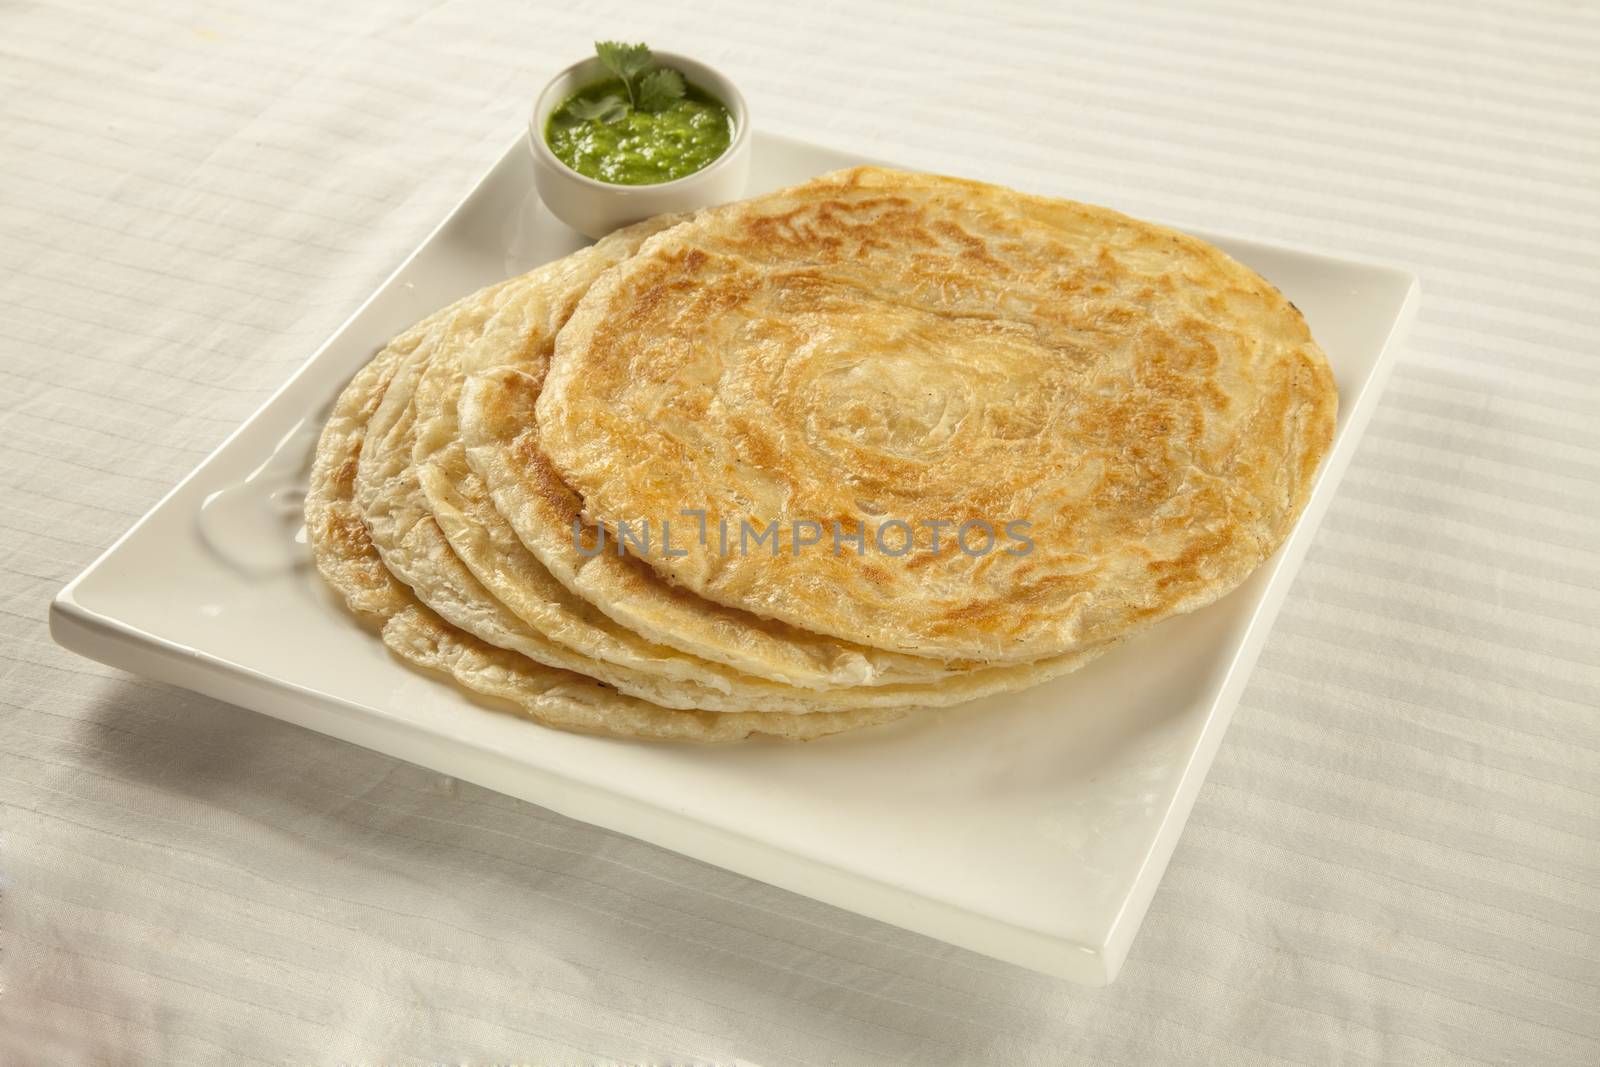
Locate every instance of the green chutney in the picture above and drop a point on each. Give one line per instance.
(639, 147)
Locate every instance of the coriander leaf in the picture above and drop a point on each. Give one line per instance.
(606, 109)
(659, 88)
(626, 61)
(623, 60)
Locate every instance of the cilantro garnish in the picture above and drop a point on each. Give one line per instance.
(659, 88)
(649, 87)
(606, 109)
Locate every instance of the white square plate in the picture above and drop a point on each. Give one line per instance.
(1033, 828)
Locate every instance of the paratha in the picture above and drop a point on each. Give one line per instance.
(875, 346)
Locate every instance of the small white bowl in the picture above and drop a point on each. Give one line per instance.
(595, 208)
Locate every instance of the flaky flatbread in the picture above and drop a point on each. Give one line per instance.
(877, 346)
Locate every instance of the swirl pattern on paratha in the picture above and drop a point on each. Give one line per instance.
(874, 344)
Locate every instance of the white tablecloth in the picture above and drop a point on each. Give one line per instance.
(1397, 854)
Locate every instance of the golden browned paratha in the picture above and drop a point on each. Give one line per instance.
(875, 347)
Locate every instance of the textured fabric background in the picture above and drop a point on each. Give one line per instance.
(1397, 854)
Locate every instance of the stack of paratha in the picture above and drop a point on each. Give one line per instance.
(869, 349)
